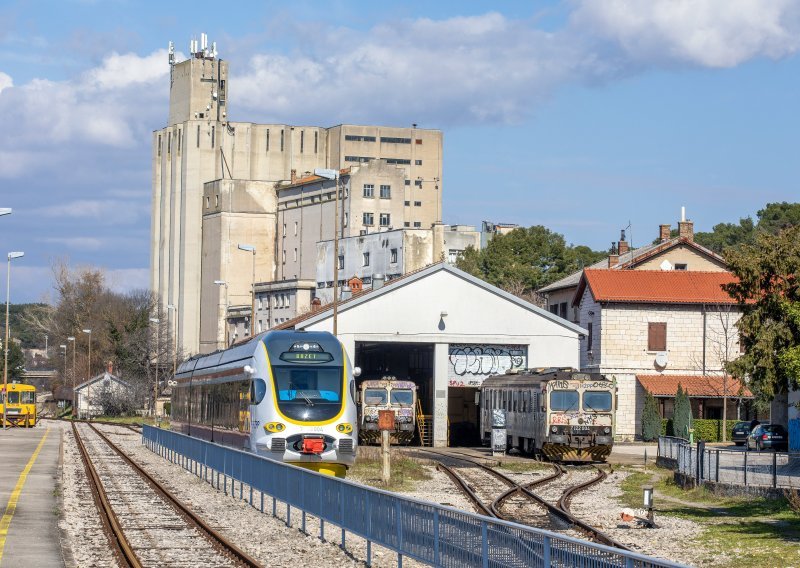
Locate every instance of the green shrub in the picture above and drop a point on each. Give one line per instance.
(711, 430)
(682, 419)
(651, 419)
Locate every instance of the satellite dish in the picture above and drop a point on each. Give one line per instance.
(661, 359)
(666, 265)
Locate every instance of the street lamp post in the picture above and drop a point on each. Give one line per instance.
(64, 349)
(225, 318)
(334, 175)
(251, 248)
(172, 307)
(155, 383)
(89, 377)
(11, 256)
(72, 339)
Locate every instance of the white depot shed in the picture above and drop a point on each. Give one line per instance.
(447, 331)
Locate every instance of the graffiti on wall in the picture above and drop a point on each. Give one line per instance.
(470, 364)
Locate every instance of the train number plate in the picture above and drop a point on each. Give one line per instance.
(580, 430)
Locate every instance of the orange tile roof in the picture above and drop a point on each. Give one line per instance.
(656, 286)
(703, 386)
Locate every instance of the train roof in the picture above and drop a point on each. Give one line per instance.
(536, 376)
(247, 349)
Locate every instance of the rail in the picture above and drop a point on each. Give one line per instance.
(776, 470)
(427, 532)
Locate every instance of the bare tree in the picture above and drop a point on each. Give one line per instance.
(722, 340)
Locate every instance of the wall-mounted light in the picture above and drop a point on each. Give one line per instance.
(443, 314)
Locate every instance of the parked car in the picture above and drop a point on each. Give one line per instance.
(741, 430)
(766, 436)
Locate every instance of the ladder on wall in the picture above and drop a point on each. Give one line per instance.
(424, 426)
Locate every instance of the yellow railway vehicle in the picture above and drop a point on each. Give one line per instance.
(21, 405)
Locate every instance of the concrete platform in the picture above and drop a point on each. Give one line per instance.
(32, 537)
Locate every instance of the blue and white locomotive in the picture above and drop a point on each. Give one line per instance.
(285, 395)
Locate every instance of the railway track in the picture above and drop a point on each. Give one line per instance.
(554, 506)
(145, 524)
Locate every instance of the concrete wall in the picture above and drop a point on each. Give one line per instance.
(277, 302)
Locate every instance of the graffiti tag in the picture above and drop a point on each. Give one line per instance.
(470, 364)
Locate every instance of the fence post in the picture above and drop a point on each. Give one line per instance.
(546, 552)
(717, 468)
(746, 453)
(436, 537)
(775, 469)
(485, 544)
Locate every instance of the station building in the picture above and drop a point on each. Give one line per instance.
(447, 331)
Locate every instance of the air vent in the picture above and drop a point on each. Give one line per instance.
(278, 444)
(346, 446)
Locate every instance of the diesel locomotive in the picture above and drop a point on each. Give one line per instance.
(561, 414)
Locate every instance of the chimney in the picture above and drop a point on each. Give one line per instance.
(664, 232)
(623, 244)
(315, 304)
(110, 367)
(613, 260)
(377, 281)
(294, 176)
(686, 230)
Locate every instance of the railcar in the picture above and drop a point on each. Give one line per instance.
(21, 410)
(561, 414)
(286, 395)
(387, 394)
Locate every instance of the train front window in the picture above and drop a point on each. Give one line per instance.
(375, 396)
(564, 400)
(13, 397)
(403, 397)
(597, 401)
(308, 394)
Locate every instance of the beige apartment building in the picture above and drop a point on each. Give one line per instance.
(244, 163)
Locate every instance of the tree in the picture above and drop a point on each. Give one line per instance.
(16, 361)
(682, 416)
(768, 292)
(526, 259)
(726, 235)
(651, 419)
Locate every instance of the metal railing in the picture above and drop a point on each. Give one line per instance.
(731, 466)
(427, 532)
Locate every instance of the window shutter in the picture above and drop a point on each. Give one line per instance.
(657, 336)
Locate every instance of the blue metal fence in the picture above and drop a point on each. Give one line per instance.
(428, 532)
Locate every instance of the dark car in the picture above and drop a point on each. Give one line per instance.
(740, 432)
(766, 436)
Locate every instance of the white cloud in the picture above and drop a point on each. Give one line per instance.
(124, 280)
(107, 212)
(709, 33)
(5, 81)
(77, 243)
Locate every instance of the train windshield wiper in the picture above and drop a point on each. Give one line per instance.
(308, 400)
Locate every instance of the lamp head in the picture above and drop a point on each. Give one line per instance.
(70, 338)
(87, 331)
(248, 248)
(13, 255)
(154, 320)
(5, 211)
(220, 283)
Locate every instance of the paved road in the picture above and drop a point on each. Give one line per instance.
(631, 454)
(29, 532)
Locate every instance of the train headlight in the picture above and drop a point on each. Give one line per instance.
(554, 429)
(344, 428)
(607, 430)
(273, 427)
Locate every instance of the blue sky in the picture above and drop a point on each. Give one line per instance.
(588, 114)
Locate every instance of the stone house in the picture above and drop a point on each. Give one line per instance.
(646, 325)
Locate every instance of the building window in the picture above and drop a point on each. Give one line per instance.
(316, 141)
(408, 182)
(417, 162)
(367, 219)
(680, 266)
(302, 140)
(281, 140)
(345, 219)
(390, 140)
(418, 182)
(657, 336)
(406, 224)
(284, 229)
(417, 224)
(216, 201)
(398, 161)
(393, 256)
(385, 219)
(358, 138)
(260, 326)
(260, 303)
(360, 159)
(267, 139)
(198, 135)
(169, 143)
(386, 192)
(284, 256)
(589, 336)
(419, 140)
(418, 204)
(208, 202)
(212, 136)
(407, 203)
(365, 259)
(295, 228)
(369, 190)
(295, 255)
(341, 262)
(159, 144)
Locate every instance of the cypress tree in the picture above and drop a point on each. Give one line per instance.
(651, 419)
(682, 418)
